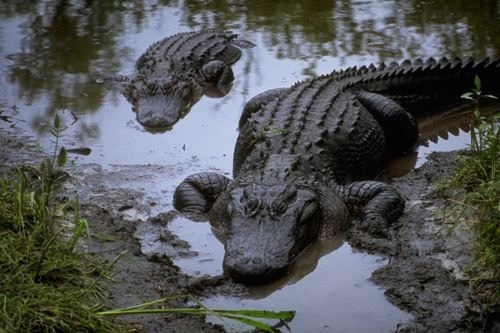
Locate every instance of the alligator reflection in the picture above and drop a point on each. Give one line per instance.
(435, 129)
(304, 264)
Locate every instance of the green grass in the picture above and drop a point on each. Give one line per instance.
(46, 285)
(478, 177)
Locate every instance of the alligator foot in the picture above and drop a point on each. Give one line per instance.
(196, 194)
(399, 126)
(375, 225)
(220, 76)
(381, 205)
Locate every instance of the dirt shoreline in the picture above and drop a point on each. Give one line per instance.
(425, 274)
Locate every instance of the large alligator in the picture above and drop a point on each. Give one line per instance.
(305, 154)
(174, 73)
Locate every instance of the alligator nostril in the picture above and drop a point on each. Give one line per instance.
(245, 260)
(257, 261)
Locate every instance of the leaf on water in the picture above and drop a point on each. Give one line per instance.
(243, 44)
(81, 151)
(250, 322)
(244, 316)
(282, 315)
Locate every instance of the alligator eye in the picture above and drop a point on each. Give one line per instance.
(253, 203)
(151, 88)
(134, 93)
(229, 209)
(309, 210)
(252, 206)
(186, 93)
(280, 207)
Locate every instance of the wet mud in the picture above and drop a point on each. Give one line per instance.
(425, 273)
(427, 270)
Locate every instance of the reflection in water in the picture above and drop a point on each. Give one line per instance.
(336, 297)
(436, 132)
(327, 285)
(385, 29)
(302, 265)
(62, 43)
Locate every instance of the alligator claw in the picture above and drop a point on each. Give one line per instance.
(375, 225)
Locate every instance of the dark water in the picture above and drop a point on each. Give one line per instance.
(51, 53)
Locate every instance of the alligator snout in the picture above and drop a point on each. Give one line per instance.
(158, 111)
(254, 270)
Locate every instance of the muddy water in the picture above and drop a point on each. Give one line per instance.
(51, 53)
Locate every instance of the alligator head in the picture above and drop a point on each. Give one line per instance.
(160, 103)
(265, 228)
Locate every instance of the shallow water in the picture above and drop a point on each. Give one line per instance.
(51, 53)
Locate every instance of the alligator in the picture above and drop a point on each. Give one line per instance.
(306, 158)
(175, 72)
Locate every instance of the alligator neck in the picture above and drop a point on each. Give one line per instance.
(278, 169)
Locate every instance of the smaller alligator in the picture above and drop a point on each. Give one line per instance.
(174, 73)
(305, 155)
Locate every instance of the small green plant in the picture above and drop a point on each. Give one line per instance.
(46, 285)
(268, 130)
(478, 176)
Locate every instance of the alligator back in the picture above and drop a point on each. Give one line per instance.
(327, 128)
(193, 49)
(319, 125)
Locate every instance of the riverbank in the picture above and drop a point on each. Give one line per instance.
(426, 274)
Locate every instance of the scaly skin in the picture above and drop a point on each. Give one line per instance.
(305, 154)
(174, 73)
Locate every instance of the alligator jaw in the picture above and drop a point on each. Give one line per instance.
(251, 271)
(159, 112)
(255, 261)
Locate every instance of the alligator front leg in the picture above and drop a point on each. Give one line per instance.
(380, 204)
(220, 76)
(197, 193)
(400, 128)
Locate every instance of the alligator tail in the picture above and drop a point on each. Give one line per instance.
(422, 87)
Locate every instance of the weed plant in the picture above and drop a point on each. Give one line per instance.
(479, 177)
(45, 284)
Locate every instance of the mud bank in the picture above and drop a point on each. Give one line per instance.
(425, 275)
(429, 257)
